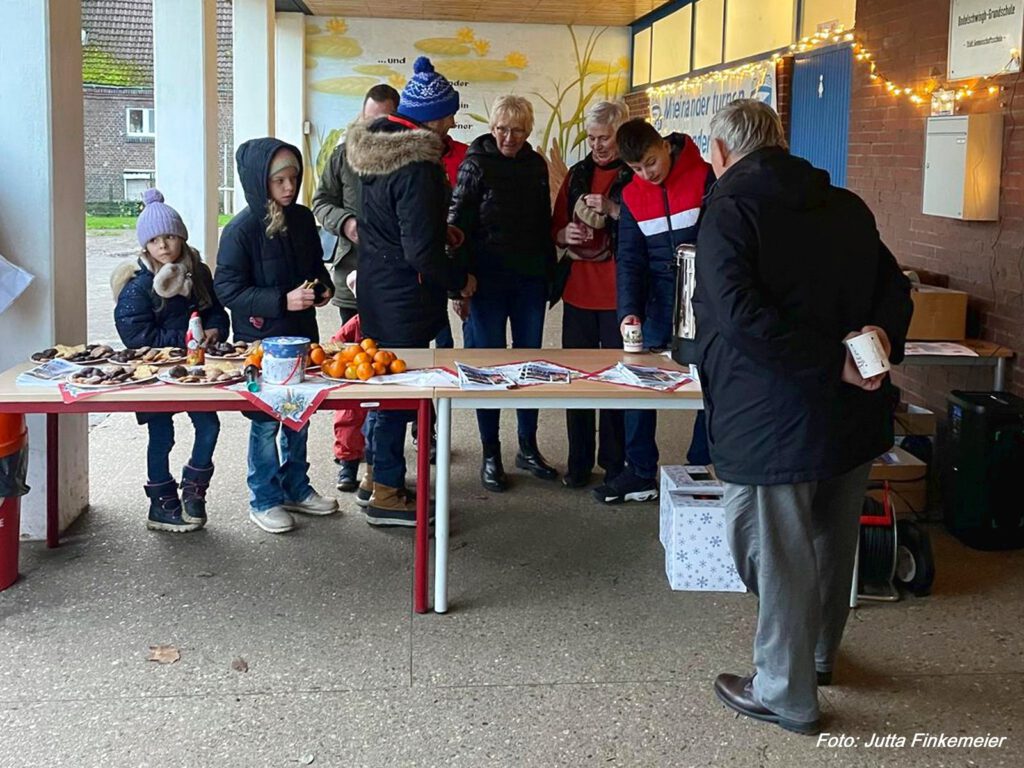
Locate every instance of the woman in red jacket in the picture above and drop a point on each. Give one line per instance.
(585, 224)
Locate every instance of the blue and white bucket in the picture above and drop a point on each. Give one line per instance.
(284, 359)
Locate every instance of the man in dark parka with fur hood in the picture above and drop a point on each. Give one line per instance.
(405, 275)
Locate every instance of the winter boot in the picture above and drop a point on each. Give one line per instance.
(194, 483)
(390, 507)
(165, 509)
(365, 489)
(492, 473)
(348, 475)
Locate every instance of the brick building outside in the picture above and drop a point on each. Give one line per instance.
(117, 84)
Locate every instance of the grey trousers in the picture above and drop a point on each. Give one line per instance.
(794, 547)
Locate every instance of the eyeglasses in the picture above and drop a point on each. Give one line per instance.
(502, 130)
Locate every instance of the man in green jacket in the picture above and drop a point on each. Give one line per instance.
(336, 201)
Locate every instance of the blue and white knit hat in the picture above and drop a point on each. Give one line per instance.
(158, 218)
(428, 95)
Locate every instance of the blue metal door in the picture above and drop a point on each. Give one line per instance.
(819, 127)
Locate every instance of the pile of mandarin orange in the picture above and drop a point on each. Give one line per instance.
(357, 361)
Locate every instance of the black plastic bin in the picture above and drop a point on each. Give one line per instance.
(983, 473)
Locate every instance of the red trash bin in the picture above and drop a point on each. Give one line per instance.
(13, 463)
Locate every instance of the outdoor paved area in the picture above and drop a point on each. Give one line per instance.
(564, 645)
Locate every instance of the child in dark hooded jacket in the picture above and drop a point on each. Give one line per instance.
(268, 253)
(155, 297)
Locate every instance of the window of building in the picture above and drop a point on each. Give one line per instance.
(670, 46)
(819, 14)
(707, 33)
(642, 57)
(136, 182)
(140, 123)
(757, 26)
(685, 36)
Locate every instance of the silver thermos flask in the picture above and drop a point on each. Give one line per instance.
(684, 329)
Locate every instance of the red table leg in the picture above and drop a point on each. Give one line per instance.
(52, 480)
(419, 562)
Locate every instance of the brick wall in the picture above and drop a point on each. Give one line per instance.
(638, 104)
(109, 151)
(783, 89)
(225, 141)
(986, 259)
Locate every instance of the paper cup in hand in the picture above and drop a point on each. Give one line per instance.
(868, 354)
(632, 337)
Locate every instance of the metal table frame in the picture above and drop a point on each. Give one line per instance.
(667, 402)
(233, 402)
(989, 356)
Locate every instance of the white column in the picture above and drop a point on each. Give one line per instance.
(290, 86)
(252, 75)
(42, 220)
(185, 97)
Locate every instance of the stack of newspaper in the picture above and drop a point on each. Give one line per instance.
(660, 379)
(523, 374)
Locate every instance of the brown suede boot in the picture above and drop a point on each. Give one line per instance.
(365, 489)
(390, 507)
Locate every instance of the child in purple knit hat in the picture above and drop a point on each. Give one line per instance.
(156, 295)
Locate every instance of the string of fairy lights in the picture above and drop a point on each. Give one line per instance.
(947, 96)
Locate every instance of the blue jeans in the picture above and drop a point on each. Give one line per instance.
(444, 339)
(367, 429)
(642, 443)
(641, 426)
(522, 306)
(161, 440)
(385, 445)
(277, 477)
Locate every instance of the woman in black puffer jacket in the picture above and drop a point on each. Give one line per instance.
(502, 203)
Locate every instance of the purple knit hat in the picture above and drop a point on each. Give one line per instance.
(158, 218)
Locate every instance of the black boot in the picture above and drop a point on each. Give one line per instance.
(492, 473)
(529, 458)
(194, 483)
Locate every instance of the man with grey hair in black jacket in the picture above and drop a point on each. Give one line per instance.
(788, 268)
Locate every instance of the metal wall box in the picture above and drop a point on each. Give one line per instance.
(962, 166)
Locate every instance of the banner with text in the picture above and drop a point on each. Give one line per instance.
(984, 38)
(689, 107)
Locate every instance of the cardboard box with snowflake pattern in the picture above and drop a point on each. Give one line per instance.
(696, 480)
(697, 556)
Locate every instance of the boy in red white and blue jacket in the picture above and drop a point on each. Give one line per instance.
(660, 211)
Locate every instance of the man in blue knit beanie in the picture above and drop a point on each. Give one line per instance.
(404, 276)
(433, 102)
(427, 95)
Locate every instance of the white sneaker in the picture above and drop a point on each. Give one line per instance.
(315, 504)
(273, 520)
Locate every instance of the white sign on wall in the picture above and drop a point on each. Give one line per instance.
(689, 109)
(984, 37)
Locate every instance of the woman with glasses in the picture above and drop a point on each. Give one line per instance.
(502, 203)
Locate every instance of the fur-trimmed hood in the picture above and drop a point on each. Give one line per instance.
(387, 145)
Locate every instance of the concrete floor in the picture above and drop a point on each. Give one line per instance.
(564, 645)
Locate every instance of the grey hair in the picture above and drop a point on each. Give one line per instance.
(515, 108)
(747, 125)
(610, 113)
